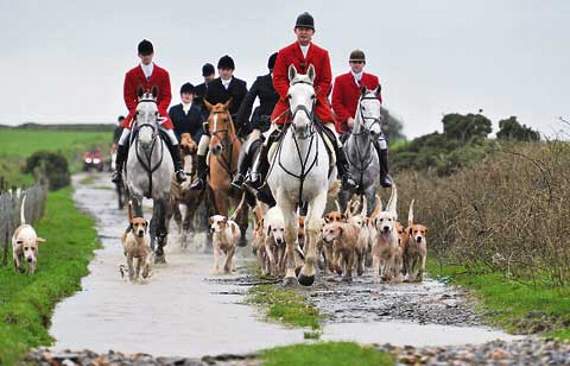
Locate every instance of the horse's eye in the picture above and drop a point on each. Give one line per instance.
(363, 108)
(313, 96)
(288, 96)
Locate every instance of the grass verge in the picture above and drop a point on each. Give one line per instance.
(515, 306)
(18, 144)
(284, 305)
(27, 302)
(326, 353)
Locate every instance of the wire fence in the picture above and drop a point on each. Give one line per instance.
(10, 205)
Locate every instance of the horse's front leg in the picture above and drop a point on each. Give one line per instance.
(161, 232)
(312, 228)
(291, 222)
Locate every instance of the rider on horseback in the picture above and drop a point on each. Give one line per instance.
(219, 90)
(260, 120)
(146, 76)
(346, 93)
(302, 53)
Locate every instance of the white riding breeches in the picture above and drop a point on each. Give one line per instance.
(127, 132)
(203, 145)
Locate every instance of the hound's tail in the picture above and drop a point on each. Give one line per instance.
(411, 214)
(238, 208)
(22, 213)
(130, 211)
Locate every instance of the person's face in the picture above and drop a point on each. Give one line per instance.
(187, 97)
(226, 74)
(356, 66)
(304, 35)
(209, 78)
(146, 59)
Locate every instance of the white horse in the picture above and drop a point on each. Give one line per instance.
(149, 169)
(362, 157)
(300, 173)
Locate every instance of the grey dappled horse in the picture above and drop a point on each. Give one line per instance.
(149, 169)
(362, 157)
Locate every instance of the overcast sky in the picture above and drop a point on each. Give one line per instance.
(64, 61)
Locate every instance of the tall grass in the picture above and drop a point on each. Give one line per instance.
(509, 213)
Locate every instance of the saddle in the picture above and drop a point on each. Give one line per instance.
(328, 139)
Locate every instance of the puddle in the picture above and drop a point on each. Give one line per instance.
(183, 310)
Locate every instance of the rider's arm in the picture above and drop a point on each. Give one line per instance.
(280, 78)
(130, 94)
(247, 104)
(323, 87)
(166, 94)
(340, 111)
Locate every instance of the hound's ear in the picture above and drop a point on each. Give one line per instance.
(268, 230)
(311, 73)
(343, 217)
(140, 92)
(145, 225)
(292, 72)
(228, 103)
(40, 240)
(210, 221)
(208, 105)
(225, 220)
(341, 230)
(154, 91)
(378, 90)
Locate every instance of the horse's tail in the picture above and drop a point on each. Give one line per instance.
(238, 208)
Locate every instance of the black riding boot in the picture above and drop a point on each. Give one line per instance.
(261, 165)
(244, 163)
(348, 182)
(201, 174)
(175, 154)
(385, 179)
(122, 153)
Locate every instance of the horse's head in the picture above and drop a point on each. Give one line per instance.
(220, 126)
(369, 117)
(146, 119)
(302, 98)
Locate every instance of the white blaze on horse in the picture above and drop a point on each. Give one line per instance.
(149, 169)
(362, 157)
(300, 173)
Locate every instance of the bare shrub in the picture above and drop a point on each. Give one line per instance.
(508, 213)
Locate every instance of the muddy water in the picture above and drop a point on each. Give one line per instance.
(184, 310)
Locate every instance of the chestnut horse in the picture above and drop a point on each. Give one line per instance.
(223, 158)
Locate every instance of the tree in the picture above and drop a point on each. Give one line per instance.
(466, 128)
(392, 126)
(511, 129)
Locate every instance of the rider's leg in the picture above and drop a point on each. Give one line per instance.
(173, 148)
(246, 154)
(261, 164)
(382, 149)
(348, 182)
(202, 168)
(122, 153)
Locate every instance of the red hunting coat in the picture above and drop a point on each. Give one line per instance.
(317, 56)
(345, 97)
(134, 79)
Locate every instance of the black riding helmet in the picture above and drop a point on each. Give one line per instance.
(305, 20)
(271, 61)
(145, 47)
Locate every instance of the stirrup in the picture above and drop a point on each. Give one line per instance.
(237, 182)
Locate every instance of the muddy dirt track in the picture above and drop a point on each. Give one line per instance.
(184, 310)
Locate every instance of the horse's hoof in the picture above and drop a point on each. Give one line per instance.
(306, 280)
(290, 282)
(159, 259)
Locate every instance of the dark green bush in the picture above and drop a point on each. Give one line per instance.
(51, 166)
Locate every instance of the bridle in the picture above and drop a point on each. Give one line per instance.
(376, 120)
(227, 141)
(309, 113)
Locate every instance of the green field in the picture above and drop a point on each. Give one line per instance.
(27, 302)
(18, 144)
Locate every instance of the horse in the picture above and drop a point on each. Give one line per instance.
(182, 195)
(300, 171)
(362, 158)
(149, 169)
(224, 151)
